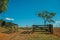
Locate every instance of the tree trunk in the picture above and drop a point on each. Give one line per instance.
(44, 22)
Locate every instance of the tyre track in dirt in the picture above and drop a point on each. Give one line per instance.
(12, 36)
(18, 36)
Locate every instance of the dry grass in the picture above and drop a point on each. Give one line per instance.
(28, 36)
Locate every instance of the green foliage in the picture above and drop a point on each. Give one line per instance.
(46, 16)
(3, 5)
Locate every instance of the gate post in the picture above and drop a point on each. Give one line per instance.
(51, 28)
(33, 28)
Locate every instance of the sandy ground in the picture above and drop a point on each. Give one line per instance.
(27, 36)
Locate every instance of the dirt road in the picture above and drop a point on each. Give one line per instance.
(33, 36)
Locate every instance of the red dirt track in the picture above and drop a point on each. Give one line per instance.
(56, 31)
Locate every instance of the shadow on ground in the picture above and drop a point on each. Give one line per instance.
(26, 32)
(30, 32)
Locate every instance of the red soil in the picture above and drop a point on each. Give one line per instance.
(56, 31)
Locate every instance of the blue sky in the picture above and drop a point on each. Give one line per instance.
(24, 12)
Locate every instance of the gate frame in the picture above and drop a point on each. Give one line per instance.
(49, 26)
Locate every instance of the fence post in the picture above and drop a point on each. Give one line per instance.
(51, 28)
(33, 29)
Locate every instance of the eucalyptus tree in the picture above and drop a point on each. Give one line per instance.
(3, 5)
(47, 16)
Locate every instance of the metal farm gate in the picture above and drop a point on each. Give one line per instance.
(43, 28)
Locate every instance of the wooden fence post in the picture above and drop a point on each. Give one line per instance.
(33, 29)
(51, 29)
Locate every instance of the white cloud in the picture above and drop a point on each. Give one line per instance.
(9, 19)
(57, 21)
